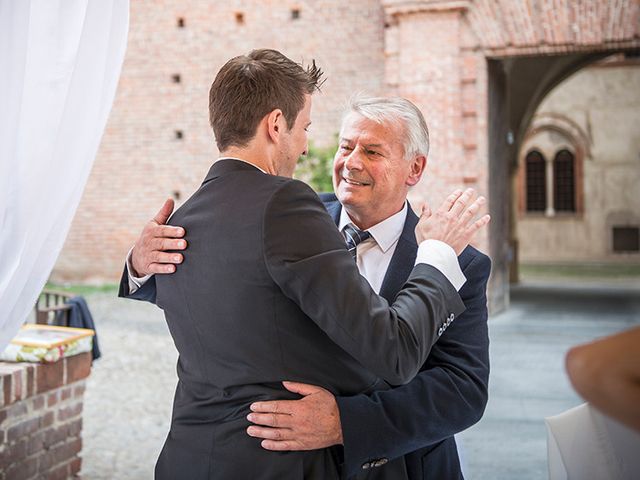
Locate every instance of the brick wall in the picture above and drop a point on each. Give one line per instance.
(435, 52)
(41, 418)
(141, 162)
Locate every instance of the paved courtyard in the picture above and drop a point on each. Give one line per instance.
(129, 393)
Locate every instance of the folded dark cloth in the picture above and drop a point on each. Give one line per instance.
(80, 317)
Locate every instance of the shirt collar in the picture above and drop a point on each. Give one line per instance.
(386, 233)
(241, 160)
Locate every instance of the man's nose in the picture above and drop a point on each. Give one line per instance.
(353, 160)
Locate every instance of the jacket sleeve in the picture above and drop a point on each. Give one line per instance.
(146, 292)
(307, 258)
(447, 396)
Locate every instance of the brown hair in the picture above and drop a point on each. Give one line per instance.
(249, 87)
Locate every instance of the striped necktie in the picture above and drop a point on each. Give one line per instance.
(353, 236)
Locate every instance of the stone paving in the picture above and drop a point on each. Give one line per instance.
(129, 393)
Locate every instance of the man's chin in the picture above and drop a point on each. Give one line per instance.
(349, 198)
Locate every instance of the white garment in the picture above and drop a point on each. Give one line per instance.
(374, 254)
(584, 444)
(60, 61)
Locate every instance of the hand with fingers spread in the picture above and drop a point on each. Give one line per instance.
(151, 254)
(307, 424)
(454, 222)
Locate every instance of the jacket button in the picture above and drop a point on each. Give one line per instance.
(381, 462)
(366, 465)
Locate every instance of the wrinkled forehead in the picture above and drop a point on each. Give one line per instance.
(357, 127)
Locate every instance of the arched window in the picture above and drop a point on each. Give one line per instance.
(564, 182)
(536, 182)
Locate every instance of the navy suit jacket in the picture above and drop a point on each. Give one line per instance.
(418, 420)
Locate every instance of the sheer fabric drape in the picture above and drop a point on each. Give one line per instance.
(60, 61)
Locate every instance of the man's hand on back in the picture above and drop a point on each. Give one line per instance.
(149, 255)
(453, 223)
(307, 424)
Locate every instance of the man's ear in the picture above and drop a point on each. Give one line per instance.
(418, 164)
(275, 125)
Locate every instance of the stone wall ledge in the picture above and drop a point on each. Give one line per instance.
(41, 418)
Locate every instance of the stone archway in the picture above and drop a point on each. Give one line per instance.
(479, 69)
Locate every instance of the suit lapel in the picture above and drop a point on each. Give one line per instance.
(332, 205)
(403, 259)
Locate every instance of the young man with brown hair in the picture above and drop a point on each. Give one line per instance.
(270, 292)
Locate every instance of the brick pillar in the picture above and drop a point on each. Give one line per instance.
(433, 61)
(41, 418)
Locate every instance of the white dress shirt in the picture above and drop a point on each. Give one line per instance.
(374, 254)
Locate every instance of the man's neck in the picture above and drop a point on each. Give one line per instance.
(365, 221)
(253, 156)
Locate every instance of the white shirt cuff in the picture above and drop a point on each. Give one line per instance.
(134, 282)
(441, 256)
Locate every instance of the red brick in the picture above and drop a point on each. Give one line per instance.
(78, 391)
(30, 380)
(45, 461)
(64, 452)
(74, 428)
(22, 429)
(47, 420)
(13, 453)
(38, 402)
(65, 394)
(17, 410)
(6, 388)
(23, 470)
(75, 466)
(70, 412)
(54, 436)
(52, 398)
(78, 367)
(469, 68)
(36, 443)
(58, 473)
(50, 376)
(17, 386)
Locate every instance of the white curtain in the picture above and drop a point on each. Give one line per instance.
(60, 61)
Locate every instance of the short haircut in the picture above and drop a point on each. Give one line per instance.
(248, 87)
(396, 110)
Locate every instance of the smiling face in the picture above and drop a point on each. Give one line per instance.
(371, 176)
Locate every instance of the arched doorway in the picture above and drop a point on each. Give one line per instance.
(580, 149)
(479, 70)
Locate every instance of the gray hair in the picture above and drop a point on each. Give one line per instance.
(397, 110)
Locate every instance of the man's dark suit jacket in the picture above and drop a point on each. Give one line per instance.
(449, 394)
(269, 292)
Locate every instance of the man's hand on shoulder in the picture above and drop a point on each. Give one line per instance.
(149, 255)
(307, 424)
(454, 222)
